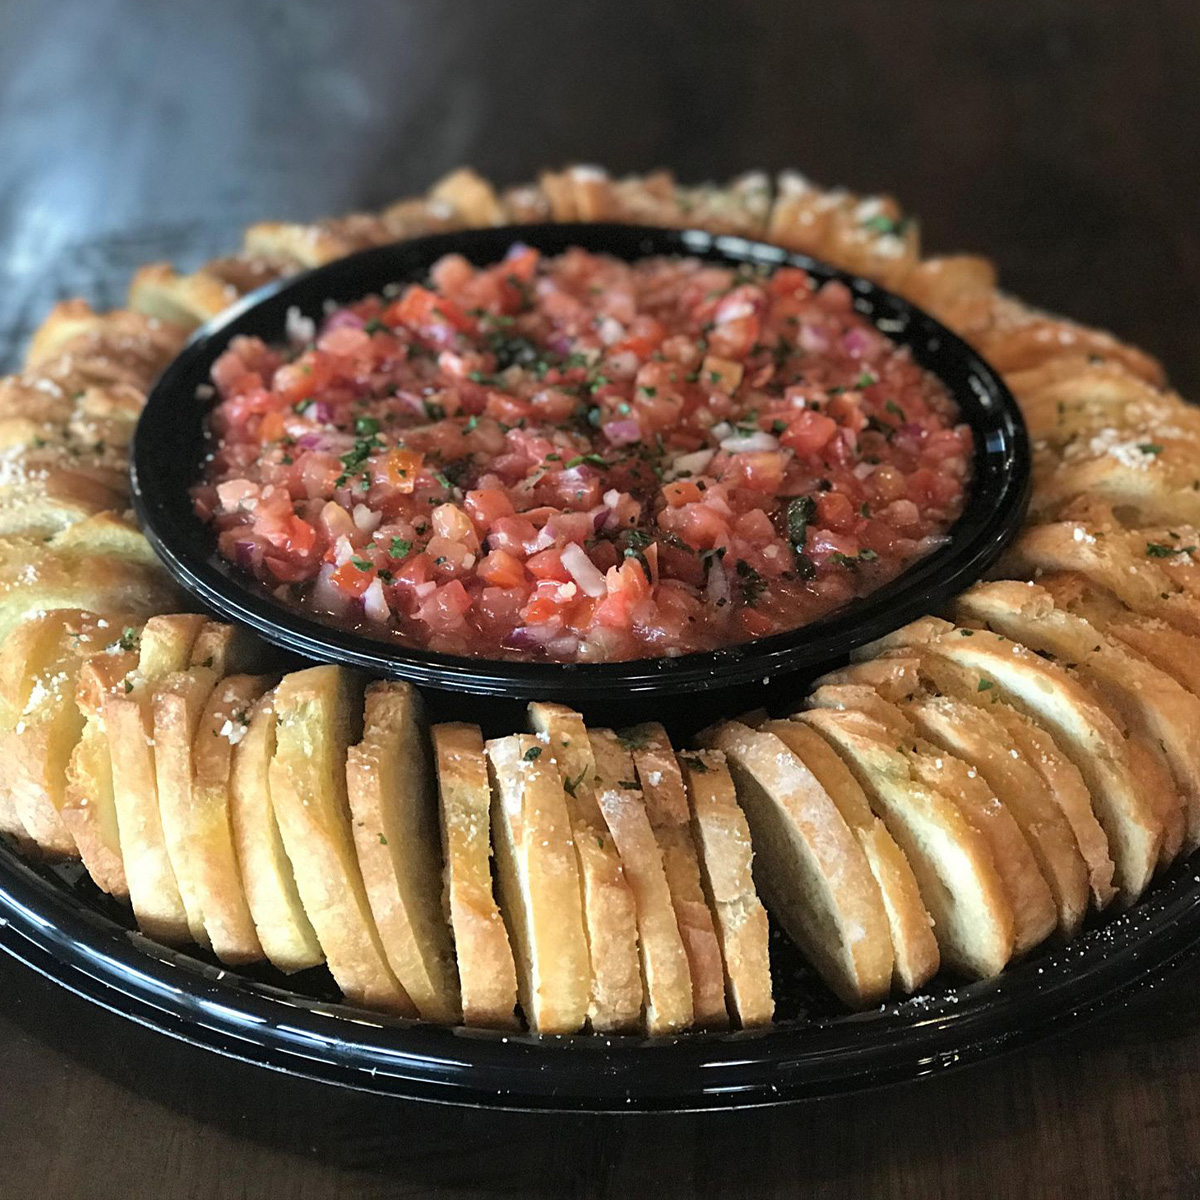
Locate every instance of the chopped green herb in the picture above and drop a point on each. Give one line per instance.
(400, 547)
(366, 426)
(985, 685)
(532, 753)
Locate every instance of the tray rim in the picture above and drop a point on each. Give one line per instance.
(56, 933)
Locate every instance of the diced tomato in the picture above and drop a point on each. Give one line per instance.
(488, 505)
(501, 569)
(351, 579)
(419, 308)
(809, 432)
(270, 428)
(682, 491)
(400, 469)
(547, 564)
(835, 511)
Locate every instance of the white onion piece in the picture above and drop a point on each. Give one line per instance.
(718, 583)
(543, 541)
(927, 545)
(863, 470)
(375, 607)
(325, 596)
(622, 365)
(691, 464)
(612, 497)
(422, 590)
(745, 442)
(366, 519)
(343, 551)
(583, 570)
(722, 430)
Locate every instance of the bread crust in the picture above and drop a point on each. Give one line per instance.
(486, 970)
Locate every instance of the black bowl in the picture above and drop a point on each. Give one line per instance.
(170, 443)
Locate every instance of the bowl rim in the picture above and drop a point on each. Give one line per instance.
(994, 509)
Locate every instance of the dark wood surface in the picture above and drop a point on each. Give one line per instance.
(1059, 138)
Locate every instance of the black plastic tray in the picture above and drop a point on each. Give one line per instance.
(54, 921)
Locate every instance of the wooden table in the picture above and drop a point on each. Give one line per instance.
(1060, 139)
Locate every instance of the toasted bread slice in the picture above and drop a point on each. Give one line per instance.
(165, 647)
(1148, 699)
(1028, 893)
(176, 704)
(158, 290)
(666, 974)
(610, 915)
(283, 929)
(318, 715)
(919, 674)
(867, 236)
(36, 576)
(76, 347)
(1083, 731)
(486, 971)
(811, 870)
(314, 245)
(89, 810)
(670, 818)
(394, 818)
(1130, 565)
(973, 920)
(52, 649)
(1169, 649)
(539, 884)
(726, 861)
(472, 199)
(977, 738)
(1037, 339)
(957, 290)
(1144, 481)
(208, 831)
(914, 946)
(1101, 397)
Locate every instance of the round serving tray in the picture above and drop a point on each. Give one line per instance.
(53, 920)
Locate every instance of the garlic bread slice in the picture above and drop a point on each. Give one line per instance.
(283, 929)
(1150, 701)
(318, 715)
(961, 888)
(914, 946)
(164, 648)
(610, 915)
(667, 807)
(666, 974)
(726, 859)
(540, 893)
(393, 810)
(487, 973)
(208, 838)
(810, 869)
